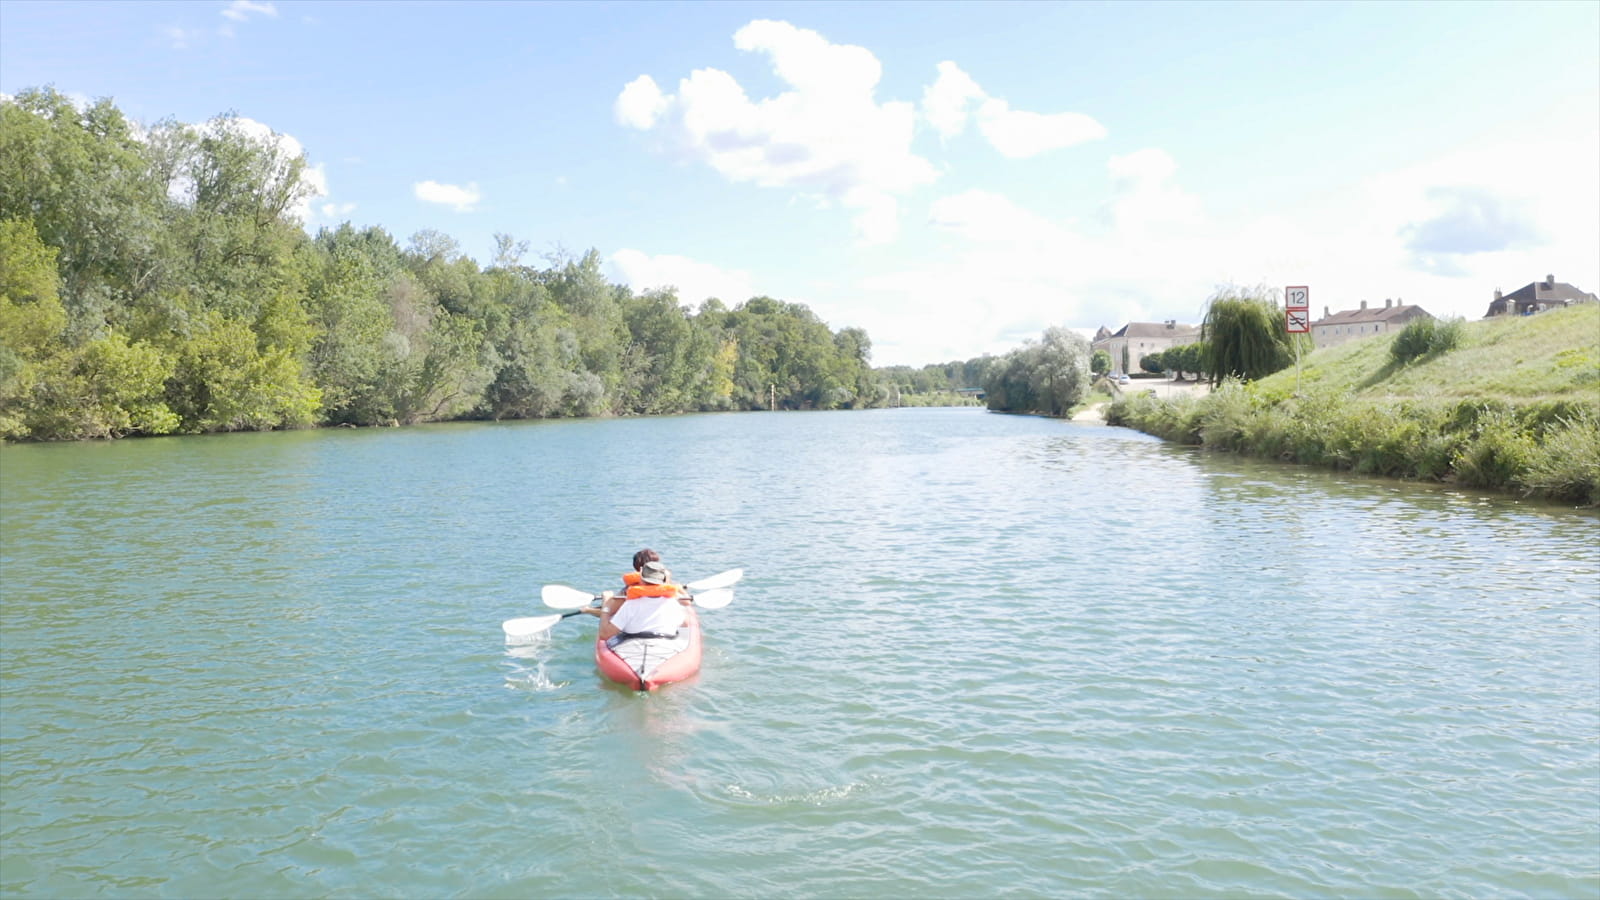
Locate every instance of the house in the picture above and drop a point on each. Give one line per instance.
(1536, 298)
(1350, 324)
(1136, 340)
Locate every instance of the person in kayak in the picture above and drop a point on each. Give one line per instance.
(629, 579)
(653, 607)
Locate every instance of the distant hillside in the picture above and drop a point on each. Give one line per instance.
(1514, 406)
(1553, 355)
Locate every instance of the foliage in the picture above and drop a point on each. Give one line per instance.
(953, 383)
(1100, 363)
(1245, 336)
(1424, 337)
(1358, 412)
(1180, 360)
(158, 281)
(1565, 464)
(1048, 377)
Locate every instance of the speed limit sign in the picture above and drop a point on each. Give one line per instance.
(1297, 297)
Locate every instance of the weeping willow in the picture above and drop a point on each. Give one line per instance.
(1245, 337)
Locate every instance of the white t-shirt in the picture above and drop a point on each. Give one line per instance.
(658, 615)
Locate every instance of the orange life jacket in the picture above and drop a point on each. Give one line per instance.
(629, 579)
(652, 590)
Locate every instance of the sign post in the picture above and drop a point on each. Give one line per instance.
(1297, 320)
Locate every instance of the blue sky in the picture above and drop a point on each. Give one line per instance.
(951, 177)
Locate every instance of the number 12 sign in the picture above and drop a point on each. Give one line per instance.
(1297, 297)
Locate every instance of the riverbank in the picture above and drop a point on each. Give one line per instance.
(1161, 388)
(1514, 407)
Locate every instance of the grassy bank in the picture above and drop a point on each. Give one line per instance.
(1514, 406)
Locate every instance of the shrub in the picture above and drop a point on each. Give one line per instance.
(1224, 419)
(1565, 466)
(1497, 456)
(1425, 337)
(1412, 342)
(1446, 335)
(1549, 415)
(1467, 413)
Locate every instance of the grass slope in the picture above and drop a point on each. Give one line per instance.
(1514, 406)
(1553, 355)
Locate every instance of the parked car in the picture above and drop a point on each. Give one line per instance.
(1123, 379)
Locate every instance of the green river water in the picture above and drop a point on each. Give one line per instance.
(974, 655)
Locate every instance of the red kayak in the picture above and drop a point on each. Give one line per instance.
(646, 663)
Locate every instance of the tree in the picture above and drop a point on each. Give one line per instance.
(109, 387)
(225, 380)
(1100, 362)
(1049, 377)
(1245, 336)
(82, 179)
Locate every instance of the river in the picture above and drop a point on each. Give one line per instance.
(973, 655)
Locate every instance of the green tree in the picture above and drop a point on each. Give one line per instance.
(225, 380)
(82, 178)
(31, 318)
(1245, 336)
(107, 388)
(348, 358)
(1049, 376)
(1100, 362)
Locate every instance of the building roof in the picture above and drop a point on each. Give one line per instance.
(1395, 313)
(1157, 330)
(1549, 289)
(1537, 295)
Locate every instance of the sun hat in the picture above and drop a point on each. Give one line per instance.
(654, 572)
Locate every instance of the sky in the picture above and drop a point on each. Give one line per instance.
(951, 177)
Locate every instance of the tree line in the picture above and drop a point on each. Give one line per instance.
(156, 280)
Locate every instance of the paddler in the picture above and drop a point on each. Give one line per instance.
(629, 579)
(612, 600)
(652, 608)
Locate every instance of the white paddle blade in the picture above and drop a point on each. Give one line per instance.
(527, 627)
(714, 599)
(559, 596)
(719, 580)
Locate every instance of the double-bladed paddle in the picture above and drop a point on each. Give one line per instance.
(714, 592)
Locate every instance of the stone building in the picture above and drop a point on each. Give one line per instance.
(1536, 298)
(1136, 340)
(1335, 328)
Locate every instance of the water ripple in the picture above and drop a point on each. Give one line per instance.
(974, 654)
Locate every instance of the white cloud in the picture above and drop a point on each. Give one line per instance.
(825, 136)
(1442, 234)
(1020, 134)
(1145, 195)
(241, 10)
(954, 97)
(641, 104)
(983, 217)
(946, 102)
(457, 197)
(695, 281)
(336, 210)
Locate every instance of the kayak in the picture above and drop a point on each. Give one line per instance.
(646, 663)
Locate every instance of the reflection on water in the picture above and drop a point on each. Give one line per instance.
(272, 665)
